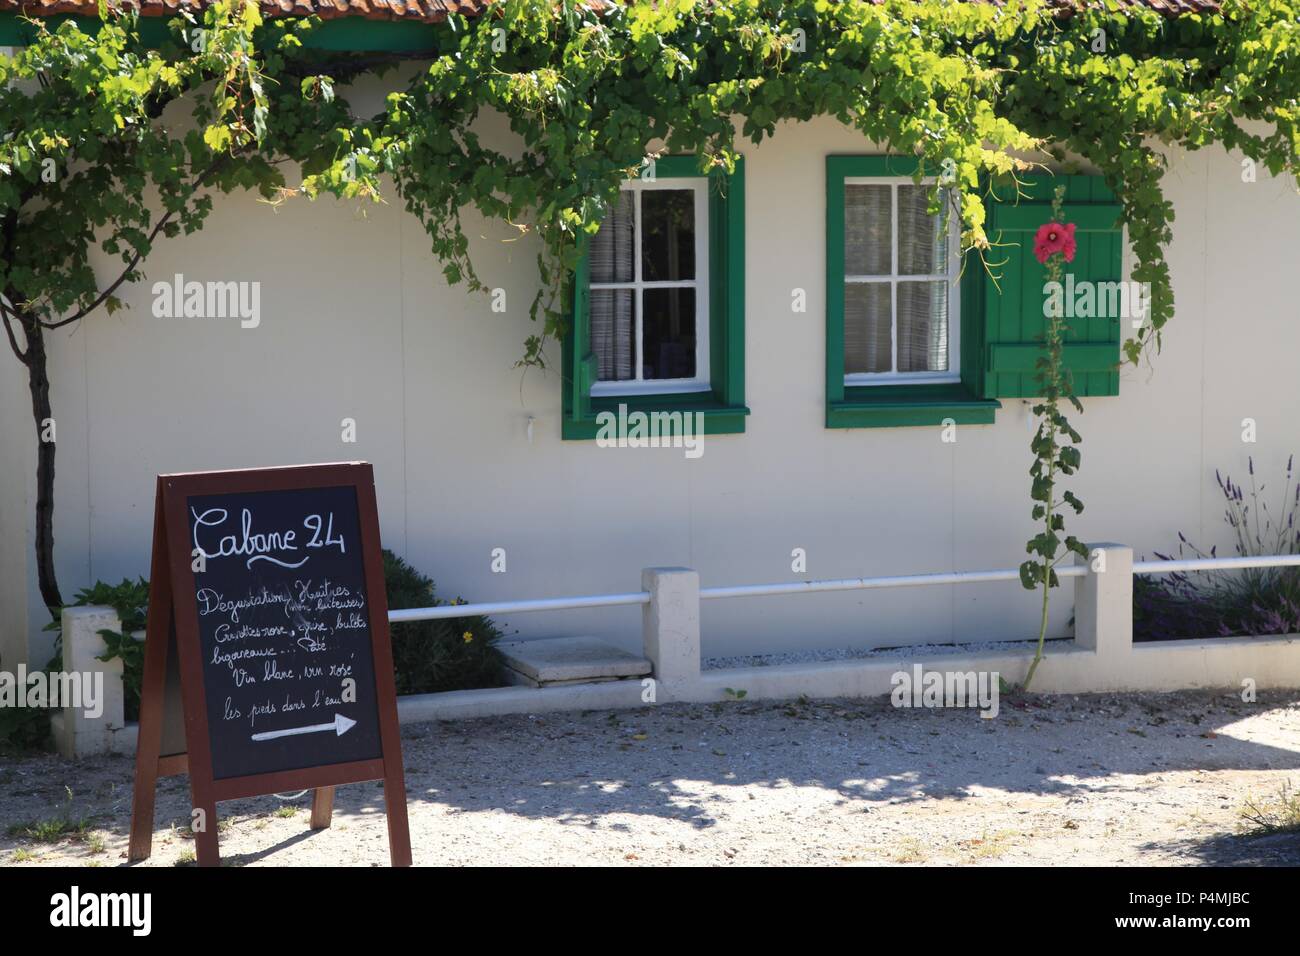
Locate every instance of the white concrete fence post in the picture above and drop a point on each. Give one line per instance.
(670, 627)
(1103, 600)
(76, 732)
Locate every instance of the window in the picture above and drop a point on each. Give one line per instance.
(894, 301)
(649, 290)
(658, 303)
(900, 322)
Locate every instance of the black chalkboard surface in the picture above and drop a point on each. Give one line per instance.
(267, 607)
(283, 630)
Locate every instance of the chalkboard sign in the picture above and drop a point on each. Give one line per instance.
(284, 630)
(267, 589)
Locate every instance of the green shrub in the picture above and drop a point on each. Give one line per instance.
(1249, 601)
(432, 656)
(130, 600)
(23, 729)
(29, 729)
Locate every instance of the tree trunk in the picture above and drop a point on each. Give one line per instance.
(38, 381)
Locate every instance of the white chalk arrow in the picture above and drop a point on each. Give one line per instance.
(340, 725)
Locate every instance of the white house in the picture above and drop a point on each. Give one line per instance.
(865, 401)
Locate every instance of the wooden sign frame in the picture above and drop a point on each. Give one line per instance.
(173, 622)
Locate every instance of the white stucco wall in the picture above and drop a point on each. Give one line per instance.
(17, 474)
(358, 323)
(15, 441)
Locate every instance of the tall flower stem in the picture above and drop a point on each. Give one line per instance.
(1053, 455)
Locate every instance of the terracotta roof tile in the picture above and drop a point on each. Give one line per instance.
(419, 11)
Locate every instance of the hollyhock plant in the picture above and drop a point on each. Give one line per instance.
(1055, 237)
(1055, 440)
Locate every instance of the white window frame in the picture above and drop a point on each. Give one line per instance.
(894, 377)
(699, 185)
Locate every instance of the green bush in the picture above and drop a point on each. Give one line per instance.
(431, 656)
(130, 600)
(23, 729)
(1249, 601)
(27, 729)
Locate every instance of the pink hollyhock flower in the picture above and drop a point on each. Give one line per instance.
(1055, 237)
(1069, 247)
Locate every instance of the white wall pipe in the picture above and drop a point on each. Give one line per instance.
(896, 581)
(445, 611)
(448, 611)
(1216, 564)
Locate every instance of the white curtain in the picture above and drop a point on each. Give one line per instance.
(613, 315)
(866, 328)
(868, 238)
(922, 240)
(922, 326)
(922, 307)
(868, 230)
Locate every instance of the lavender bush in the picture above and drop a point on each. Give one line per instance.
(1229, 603)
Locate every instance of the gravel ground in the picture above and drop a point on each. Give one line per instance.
(1114, 780)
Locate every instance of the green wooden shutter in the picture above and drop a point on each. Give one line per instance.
(1014, 325)
(580, 365)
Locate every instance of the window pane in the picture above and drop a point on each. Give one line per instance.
(613, 321)
(867, 346)
(669, 334)
(868, 230)
(923, 326)
(667, 234)
(611, 247)
(922, 242)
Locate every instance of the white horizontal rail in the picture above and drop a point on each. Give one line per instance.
(448, 611)
(896, 581)
(1216, 564)
(445, 611)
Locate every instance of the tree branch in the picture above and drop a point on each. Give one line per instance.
(199, 182)
(5, 313)
(9, 232)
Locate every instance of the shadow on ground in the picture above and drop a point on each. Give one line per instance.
(1233, 849)
(680, 762)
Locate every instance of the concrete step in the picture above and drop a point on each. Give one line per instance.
(569, 660)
